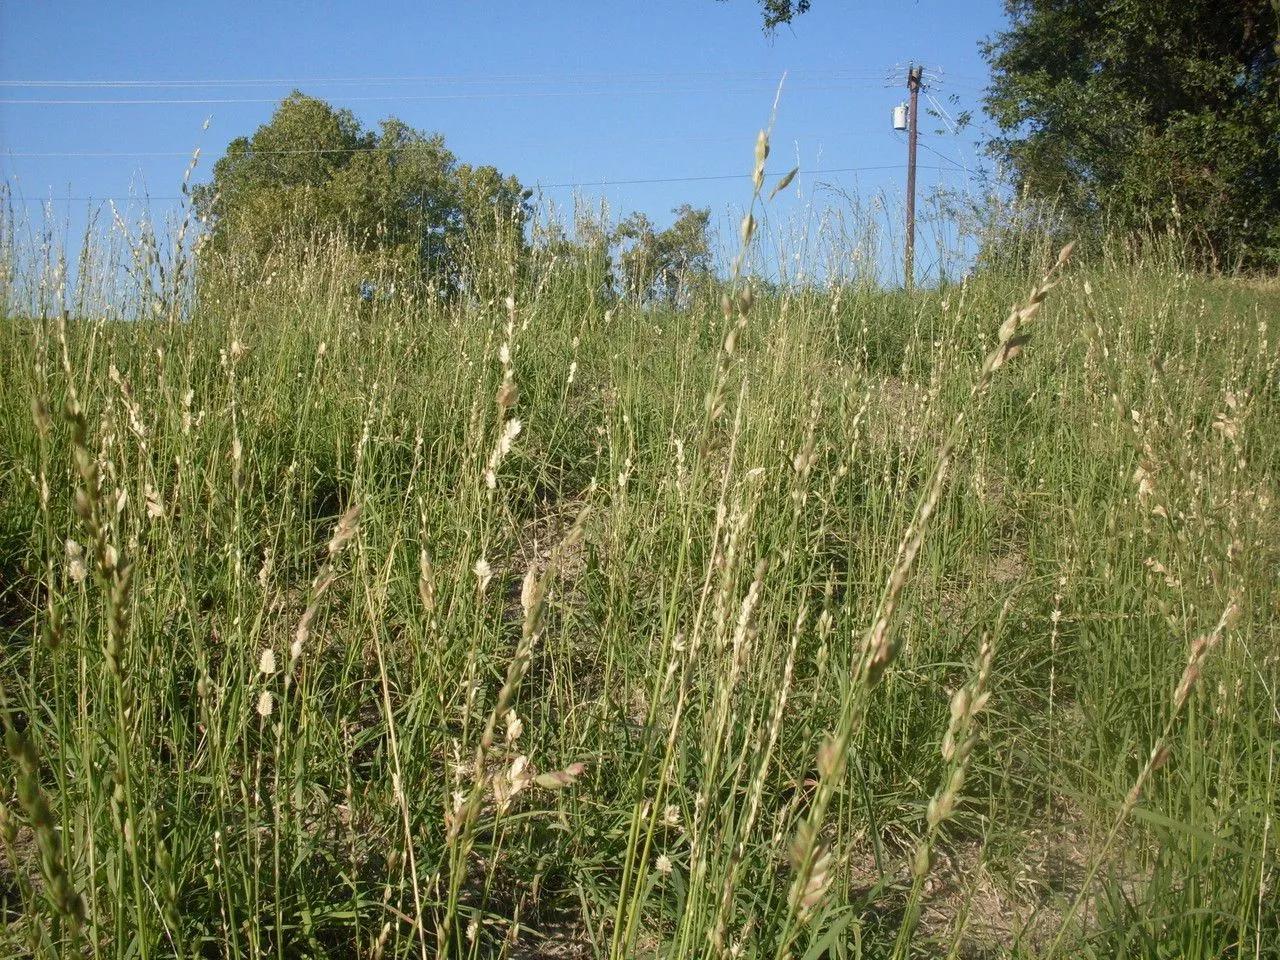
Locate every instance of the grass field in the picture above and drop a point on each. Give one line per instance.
(834, 622)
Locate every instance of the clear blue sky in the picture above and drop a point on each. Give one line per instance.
(572, 96)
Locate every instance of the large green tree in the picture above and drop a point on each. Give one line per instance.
(313, 171)
(1146, 114)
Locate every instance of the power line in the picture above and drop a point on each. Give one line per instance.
(939, 154)
(585, 78)
(546, 186)
(963, 87)
(947, 75)
(943, 156)
(119, 154)
(725, 176)
(405, 98)
(629, 90)
(109, 154)
(942, 112)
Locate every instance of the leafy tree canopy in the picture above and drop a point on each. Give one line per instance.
(775, 13)
(1155, 113)
(314, 171)
(662, 265)
(632, 259)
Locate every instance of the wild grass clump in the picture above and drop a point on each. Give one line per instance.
(821, 621)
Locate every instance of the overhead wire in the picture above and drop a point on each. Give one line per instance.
(938, 153)
(627, 142)
(414, 98)
(530, 79)
(836, 79)
(546, 186)
(512, 86)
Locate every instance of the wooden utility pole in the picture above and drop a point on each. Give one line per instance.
(913, 84)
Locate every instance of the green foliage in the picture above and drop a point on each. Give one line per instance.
(630, 260)
(1146, 114)
(774, 13)
(576, 272)
(662, 265)
(314, 172)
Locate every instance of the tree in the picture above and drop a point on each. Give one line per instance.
(1158, 114)
(313, 171)
(637, 255)
(492, 212)
(662, 265)
(777, 12)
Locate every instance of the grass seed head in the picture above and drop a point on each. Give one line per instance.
(483, 572)
(348, 524)
(559, 779)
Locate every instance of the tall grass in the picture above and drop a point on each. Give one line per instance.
(832, 622)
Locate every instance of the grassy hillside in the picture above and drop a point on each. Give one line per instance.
(841, 622)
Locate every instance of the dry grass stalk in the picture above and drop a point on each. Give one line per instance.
(1159, 755)
(343, 533)
(957, 746)
(461, 820)
(67, 902)
(880, 646)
